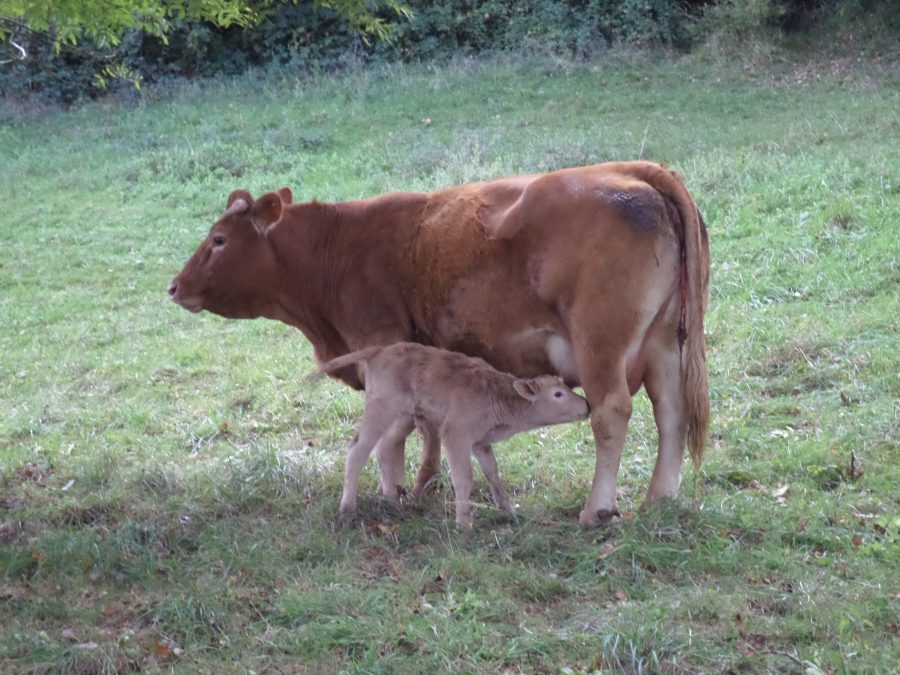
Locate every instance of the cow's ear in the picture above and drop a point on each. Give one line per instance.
(286, 195)
(266, 210)
(243, 195)
(527, 389)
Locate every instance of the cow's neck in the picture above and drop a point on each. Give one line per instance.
(335, 260)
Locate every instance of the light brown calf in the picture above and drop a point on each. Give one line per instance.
(469, 402)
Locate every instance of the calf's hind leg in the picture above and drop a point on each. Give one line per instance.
(389, 453)
(377, 418)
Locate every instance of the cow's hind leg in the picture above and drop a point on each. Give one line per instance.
(663, 382)
(607, 393)
(377, 418)
(485, 456)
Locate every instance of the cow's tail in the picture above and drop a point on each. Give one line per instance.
(694, 299)
(349, 359)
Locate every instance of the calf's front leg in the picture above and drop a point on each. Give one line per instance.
(485, 456)
(459, 457)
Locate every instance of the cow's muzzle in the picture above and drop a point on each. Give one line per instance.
(174, 296)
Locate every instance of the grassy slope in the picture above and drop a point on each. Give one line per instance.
(169, 483)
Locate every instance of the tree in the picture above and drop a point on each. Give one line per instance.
(104, 21)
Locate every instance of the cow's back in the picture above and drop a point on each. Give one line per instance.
(499, 263)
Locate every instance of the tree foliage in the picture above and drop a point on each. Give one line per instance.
(105, 21)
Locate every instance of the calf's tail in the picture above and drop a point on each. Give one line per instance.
(349, 359)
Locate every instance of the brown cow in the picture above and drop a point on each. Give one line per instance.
(471, 404)
(598, 274)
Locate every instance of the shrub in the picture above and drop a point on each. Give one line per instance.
(305, 36)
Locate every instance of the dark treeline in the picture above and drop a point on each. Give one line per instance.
(305, 37)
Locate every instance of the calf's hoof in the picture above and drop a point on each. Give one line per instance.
(397, 494)
(597, 518)
(391, 506)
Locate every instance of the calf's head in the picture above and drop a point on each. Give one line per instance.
(552, 402)
(233, 272)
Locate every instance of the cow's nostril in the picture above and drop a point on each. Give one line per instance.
(173, 288)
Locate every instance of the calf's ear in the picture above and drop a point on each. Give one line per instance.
(266, 210)
(286, 195)
(526, 389)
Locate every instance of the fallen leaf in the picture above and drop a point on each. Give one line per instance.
(781, 493)
(857, 540)
(436, 585)
(607, 551)
(8, 592)
(385, 528)
(620, 597)
(757, 641)
(68, 634)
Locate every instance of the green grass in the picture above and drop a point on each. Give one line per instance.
(169, 482)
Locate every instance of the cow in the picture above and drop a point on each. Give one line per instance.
(471, 404)
(597, 274)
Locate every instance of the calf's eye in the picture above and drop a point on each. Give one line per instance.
(219, 240)
(558, 394)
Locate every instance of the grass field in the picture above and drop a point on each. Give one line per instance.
(169, 483)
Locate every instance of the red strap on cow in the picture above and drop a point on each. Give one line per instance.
(682, 328)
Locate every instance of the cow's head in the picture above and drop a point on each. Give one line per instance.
(233, 271)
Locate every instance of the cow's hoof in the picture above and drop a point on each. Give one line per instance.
(425, 488)
(597, 518)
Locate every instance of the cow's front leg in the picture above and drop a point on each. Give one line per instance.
(430, 462)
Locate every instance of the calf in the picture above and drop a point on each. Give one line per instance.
(469, 402)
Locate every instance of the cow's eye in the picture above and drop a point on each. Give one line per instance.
(219, 240)
(558, 394)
